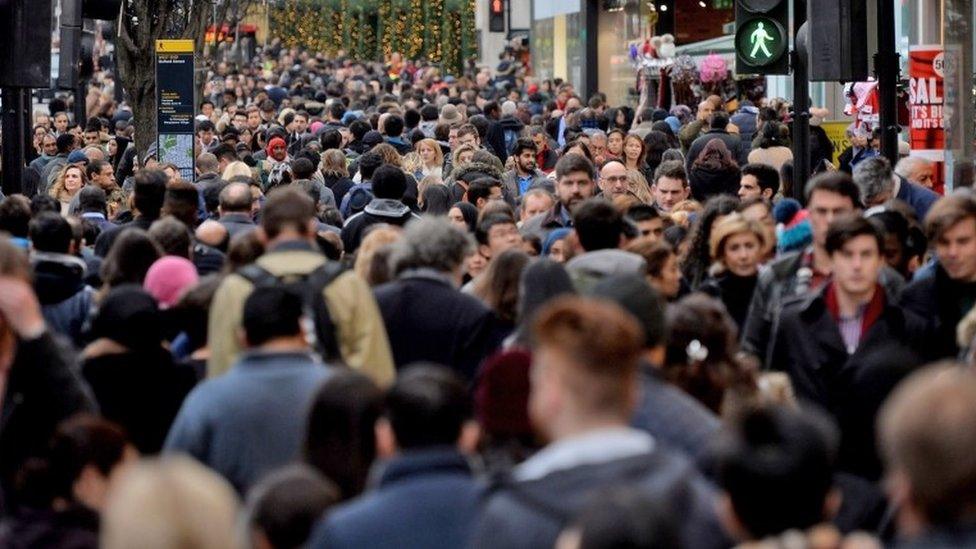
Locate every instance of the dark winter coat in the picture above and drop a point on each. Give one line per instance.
(428, 319)
(66, 301)
(43, 388)
(424, 498)
(140, 390)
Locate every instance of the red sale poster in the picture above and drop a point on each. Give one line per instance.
(925, 100)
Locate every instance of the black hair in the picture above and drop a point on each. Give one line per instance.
(719, 120)
(149, 192)
(81, 441)
(49, 232)
(368, 164)
(15, 216)
(642, 212)
(270, 313)
(44, 203)
(95, 168)
(481, 188)
(330, 139)
(286, 504)
(358, 128)
(340, 440)
(205, 125)
(429, 112)
(484, 226)
(598, 224)
(766, 175)
(302, 168)
(92, 199)
(843, 230)
(837, 183)
(698, 259)
(411, 118)
(777, 470)
(393, 125)
(427, 406)
(337, 110)
(524, 144)
(65, 142)
(129, 258)
(389, 182)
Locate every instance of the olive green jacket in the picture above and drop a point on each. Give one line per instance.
(361, 334)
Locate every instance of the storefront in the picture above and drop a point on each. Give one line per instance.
(562, 47)
(956, 25)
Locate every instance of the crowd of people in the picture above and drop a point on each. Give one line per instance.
(398, 308)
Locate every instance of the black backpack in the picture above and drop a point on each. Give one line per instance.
(310, 287)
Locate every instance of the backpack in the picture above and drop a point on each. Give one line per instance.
(310, 287)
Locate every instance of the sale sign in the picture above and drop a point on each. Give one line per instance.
(926, 103)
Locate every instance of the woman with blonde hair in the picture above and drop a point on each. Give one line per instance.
(637, 186)
(389, 154)
(170, 503)
(736, 246)
(335, 173)
(432, 157)
(462, 155)
(235, 169)
(413, 165)
(69, 183)
(371, 264)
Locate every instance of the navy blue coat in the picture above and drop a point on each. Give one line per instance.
(916, 196)
(425, 498)
(428, 320)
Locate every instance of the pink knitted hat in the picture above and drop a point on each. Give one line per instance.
(168, 278)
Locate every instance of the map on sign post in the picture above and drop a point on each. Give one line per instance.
(175, 104)
(761, 41)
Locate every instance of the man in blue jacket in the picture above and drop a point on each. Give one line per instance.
(251, 420)
(425, 495)
(878, 184)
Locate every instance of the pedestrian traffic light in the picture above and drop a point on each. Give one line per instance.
(762, 37)
(496, 15)
(837, 36)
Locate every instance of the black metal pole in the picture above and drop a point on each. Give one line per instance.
(12, 120)
(801, 108)
(886, 68)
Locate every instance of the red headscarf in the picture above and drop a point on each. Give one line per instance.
(275, 142)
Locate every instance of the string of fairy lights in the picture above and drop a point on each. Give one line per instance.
(440, 31)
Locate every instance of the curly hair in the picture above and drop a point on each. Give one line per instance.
(695, 265)
(700, 354)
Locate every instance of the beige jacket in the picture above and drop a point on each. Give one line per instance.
(360, 331)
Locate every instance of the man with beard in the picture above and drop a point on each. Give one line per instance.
(574, 183)
(524, 175)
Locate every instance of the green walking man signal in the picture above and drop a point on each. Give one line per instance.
(761, 38)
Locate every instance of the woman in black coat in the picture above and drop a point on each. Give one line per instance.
(714, 172)
(134, 379)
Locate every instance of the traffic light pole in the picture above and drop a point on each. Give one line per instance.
(14, 130)
(801, 108)
(887, 71)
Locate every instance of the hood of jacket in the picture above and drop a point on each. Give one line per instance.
(511, 123)
(387, 207)
(57, 276)
(483, 167)
(608, 262)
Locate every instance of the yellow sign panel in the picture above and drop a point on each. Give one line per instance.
(174, 46)
(837, 132)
